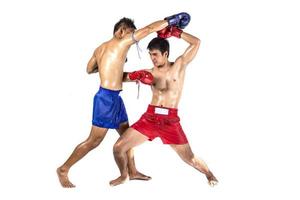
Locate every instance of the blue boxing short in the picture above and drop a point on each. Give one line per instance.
(109, 110)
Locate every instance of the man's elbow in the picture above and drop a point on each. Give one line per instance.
(91, 70)
(88, 71)
(197, 42)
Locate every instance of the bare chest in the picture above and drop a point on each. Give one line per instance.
(165, 82)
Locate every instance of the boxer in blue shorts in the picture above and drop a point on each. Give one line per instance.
(109, 111)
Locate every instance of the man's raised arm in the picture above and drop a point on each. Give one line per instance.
(192, 49)
(180, 20)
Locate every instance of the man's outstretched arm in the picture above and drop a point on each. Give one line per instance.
(180, 19)
(126, 77)
(147, 30)
(144, 76)
(151, 28)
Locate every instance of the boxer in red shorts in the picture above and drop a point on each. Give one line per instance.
(161, 119)
(161, 122)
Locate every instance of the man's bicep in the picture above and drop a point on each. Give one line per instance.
(137, 36)
(142, 33)
(189, 54)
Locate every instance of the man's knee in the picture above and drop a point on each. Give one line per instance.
(118, 148)
(93, 142)
(191, 160)
(96, 142)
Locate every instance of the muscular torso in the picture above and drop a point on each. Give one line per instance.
(111, 57)
(167, 87)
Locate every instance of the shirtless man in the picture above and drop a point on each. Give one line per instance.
(109, 111)
(161, 119)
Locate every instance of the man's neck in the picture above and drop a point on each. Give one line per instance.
(165, 67)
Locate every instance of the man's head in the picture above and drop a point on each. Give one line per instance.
(123, 27)
(159, 49)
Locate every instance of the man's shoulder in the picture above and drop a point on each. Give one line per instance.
(103, 45)
(179, 62)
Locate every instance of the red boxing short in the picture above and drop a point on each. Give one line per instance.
(161, 122)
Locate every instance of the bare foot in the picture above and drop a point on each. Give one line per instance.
(139, 176)
(212, 180)
(63, 178)
(118, 181)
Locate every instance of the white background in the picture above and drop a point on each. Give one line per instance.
(239, 109)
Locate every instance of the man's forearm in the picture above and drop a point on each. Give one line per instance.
(126, 77)
(151, 28)
(190, 38)
(158, 25)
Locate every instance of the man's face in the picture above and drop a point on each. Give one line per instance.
(158, 59)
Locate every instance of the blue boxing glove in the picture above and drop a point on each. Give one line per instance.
(181, 20)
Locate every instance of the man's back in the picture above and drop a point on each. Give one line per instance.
(110, 57)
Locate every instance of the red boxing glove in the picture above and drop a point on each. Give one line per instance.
(141, 75)
(164, 33)
(169, 31)
(176, 32)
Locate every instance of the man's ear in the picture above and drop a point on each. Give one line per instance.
(122, 31)
(166, 54)
(118, 34)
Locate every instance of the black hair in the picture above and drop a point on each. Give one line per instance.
(126, 22)
(160, 44)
